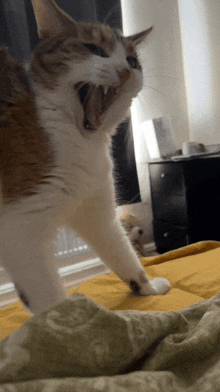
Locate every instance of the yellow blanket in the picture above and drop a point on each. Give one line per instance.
(193, 271)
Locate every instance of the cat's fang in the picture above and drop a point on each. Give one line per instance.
(105, 89)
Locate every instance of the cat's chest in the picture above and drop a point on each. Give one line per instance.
(82, 164)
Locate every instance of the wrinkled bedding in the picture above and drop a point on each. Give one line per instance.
(79, 345)
(103, 338)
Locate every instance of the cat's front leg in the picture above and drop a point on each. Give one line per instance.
(97, 224)
(27, 253)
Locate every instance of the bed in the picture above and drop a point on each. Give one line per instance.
(104, 338)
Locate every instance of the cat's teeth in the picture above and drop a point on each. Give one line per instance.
(105, 89)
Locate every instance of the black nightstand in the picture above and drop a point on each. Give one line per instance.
(185, 201)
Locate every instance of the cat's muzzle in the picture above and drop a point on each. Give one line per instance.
(95, 101)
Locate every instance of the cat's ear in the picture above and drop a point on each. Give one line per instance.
(49, 17)
(138, 38)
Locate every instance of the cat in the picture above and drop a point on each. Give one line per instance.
(55, 168)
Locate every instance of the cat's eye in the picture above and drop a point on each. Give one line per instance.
(132, 61)
(96, 50)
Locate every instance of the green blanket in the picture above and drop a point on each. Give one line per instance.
(80, 346)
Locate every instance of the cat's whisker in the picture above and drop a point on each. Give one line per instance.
(143, 102)
(160, 76)
(153, 69)
(152, 88)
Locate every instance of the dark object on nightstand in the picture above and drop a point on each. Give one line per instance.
(185, 201)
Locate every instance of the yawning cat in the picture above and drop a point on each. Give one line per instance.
(55, 168)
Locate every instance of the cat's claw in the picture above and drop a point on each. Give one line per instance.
(157, 286)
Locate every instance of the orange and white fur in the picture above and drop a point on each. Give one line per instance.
(56, 169)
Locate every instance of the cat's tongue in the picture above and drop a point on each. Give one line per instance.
(93, 107)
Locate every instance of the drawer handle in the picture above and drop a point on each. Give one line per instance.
(165, 235)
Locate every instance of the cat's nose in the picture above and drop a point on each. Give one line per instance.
(124, 75)
(140, 231)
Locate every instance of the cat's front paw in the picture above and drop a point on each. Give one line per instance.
(161, 285)
(156, 286)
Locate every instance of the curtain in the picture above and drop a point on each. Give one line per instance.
(14, 32)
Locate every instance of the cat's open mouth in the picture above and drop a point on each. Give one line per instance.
(95, 101)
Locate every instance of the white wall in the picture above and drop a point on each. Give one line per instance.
(200, 27)
(161, 57)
